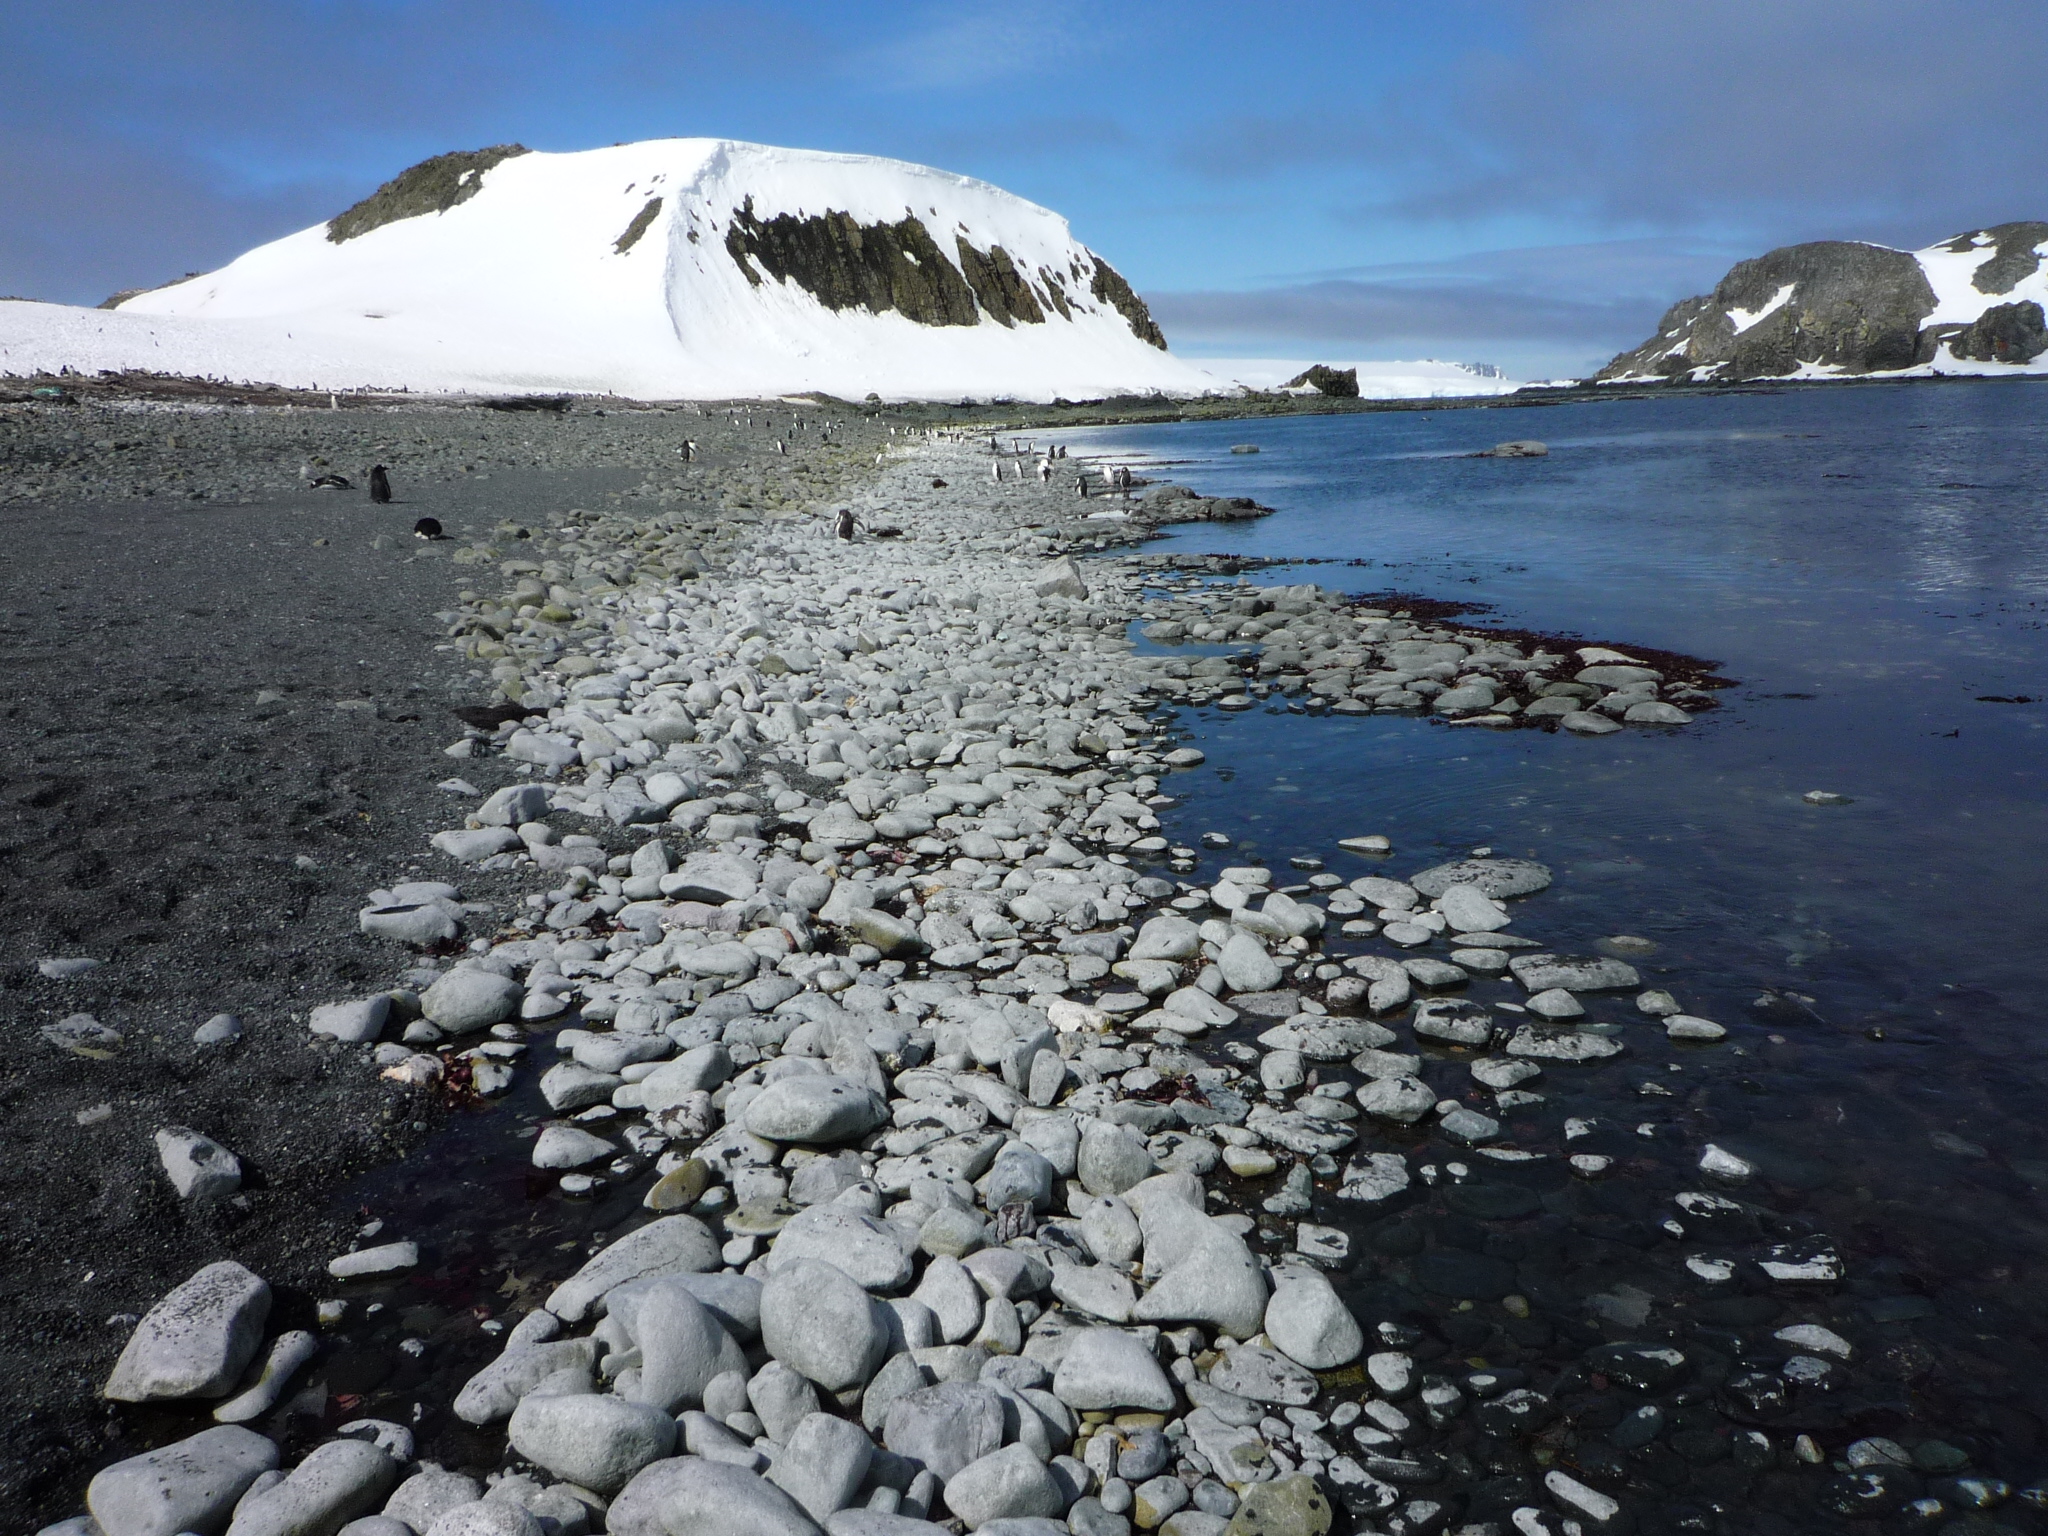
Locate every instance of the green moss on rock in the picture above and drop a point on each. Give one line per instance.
(432, 186)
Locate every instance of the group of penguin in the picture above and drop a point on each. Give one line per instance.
(380, 492)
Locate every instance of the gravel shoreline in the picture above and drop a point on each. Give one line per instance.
(942, 1155)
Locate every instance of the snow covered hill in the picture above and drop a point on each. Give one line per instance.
(1972, 304)
(673, 268)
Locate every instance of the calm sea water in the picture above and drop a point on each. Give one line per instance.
(1872, 565)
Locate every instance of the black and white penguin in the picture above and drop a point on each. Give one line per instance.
(428, 528)
(380, 485)
(843, 525)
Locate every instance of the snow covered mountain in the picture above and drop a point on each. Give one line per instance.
(1834, 308)
(673, 268)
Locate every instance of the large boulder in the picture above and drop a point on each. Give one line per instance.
(670, 1245)
(591, 1439)
(688, 1496)
(945, 1427)
(815, 1107)
(819, 1322)
(337, 1482)
(190, 1485)
(1008, 1484)
(1309, 1323)
(197, 1340)
(1108, 1368)
(681, 1342)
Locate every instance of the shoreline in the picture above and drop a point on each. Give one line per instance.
(909, 826)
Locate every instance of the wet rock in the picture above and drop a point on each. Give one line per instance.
(1287, 1506)
(1494, 878)
(1309, 1324)
(669, 1245)
(467, 999)
(427, 1495)
(1401, 1100)
(197, 1340)
(352, 1023)
(682, 1342)
(1264, 1376)
(1216, 1282)
(189, 1485)
(288, 1352)
(1572, 973)
(1247, 967)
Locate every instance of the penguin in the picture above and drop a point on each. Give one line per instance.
(427, 528)
(380, 485)
(843, 525)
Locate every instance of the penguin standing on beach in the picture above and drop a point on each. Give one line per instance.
(843, 525)
(380, 485)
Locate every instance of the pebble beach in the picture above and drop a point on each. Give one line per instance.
(896, 1118)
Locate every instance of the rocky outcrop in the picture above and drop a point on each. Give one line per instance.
(1832, 303)
(1109, 286)
(1850, 308)
(845, 264)
(1324, 380)
(432, 186)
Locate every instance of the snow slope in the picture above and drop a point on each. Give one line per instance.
(522, 285)
(1426, 379)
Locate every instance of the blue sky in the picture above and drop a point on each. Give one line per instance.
(1528, 184)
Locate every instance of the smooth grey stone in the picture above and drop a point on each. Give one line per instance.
(1217, 1282)
(666, 1246)
(1573, 973)
(190, 1485)
(420, 924)
(818, 1321)
(1497, 878)
(352, 1023)
(1088, 1517)
(1111, 1230)
(681, 1342)
(1108, 1368)
(1264, 1376)
(429, 1494)
(1468, 909)
(704, 1436)
(823, 1464)
(1166, 938)
(382, 1525)
(514, 805)
(1453, 1021)
(1019, 1174)
(1146, 1457)
(782, 1398)
(1111, 1158)
(689, 1496)
(569, 1086)
(864, 1247)
(198, 1167)
(288, 1352)
(1309, 1323)
(875, 1522)
(595, 1441)
(900, 1375)
(493, 1392)
(1402, 1100)
(487, 1517)
(1004, 1484)
(814, 1108)
(197, 1340)
(943, 1428)
(335, 1483)
(953, 1297)
(468, 999)
(218, 1030)
(1247, 967)
(1095, 1290)
(569, 1146)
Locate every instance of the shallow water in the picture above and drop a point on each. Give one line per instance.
(1869, 563)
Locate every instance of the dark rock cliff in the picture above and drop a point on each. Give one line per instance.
(432, 186)
(1842, 304)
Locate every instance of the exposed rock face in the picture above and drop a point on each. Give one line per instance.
(1340, 382)
(2004, 333)
(638, 227)
(845, 264)
(1109, 286)
(2015, 257)
(432, 186)
(1851, 306)
(1854, 308)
